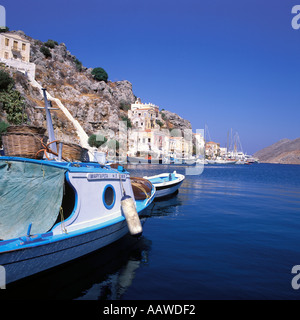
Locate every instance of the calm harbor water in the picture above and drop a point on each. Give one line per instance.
(231, 233)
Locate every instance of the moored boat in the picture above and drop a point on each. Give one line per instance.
(41, 227)
(166, 184)
(54, 211)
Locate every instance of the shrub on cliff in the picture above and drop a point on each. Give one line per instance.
(51, 44)
(5, 80)
(78, 64)
(46, 52)
(125, 106)
(96, 140)
(14, 105)
(100, 74)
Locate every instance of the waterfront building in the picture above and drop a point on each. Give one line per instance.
(223, 152)
(176, 145)
(15, 53)
(144, 116)
(212, 149)
(148, 142)
(149, 136)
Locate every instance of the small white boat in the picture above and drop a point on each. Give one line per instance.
(221, 161)
(166, 183)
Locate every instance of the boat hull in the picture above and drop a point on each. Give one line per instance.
(166, 183)
(167, 190)
(22, 263)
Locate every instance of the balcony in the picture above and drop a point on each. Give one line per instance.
(15, 49)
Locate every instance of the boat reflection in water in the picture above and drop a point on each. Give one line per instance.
(167, 206)
(105, 274)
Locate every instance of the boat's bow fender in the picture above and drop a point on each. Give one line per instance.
(131, 215)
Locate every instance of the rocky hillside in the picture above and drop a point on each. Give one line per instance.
(174, 121)
(94, 104)
(284, 151)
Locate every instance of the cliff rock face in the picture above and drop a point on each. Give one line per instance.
(284, 151)
(94, 104)
(174, 121)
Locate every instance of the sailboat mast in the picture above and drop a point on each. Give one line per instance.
(227, 144)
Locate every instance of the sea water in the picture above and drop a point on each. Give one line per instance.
(232, 232)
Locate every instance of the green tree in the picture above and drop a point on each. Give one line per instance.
(100, 74)
(159, 123)
(51, 44)
(46, 52)
(5, 80)
(163, 116)
(96, 140)
(13, 104)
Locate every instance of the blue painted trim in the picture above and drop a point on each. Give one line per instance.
(43, 239)
(88, 167)
(103, 197)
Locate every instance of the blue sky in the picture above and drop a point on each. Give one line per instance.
(225, 63)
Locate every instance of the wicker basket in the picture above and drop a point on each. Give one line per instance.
(24, 145)
(26, 129)
(73, 152)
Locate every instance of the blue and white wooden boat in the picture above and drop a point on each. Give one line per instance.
(91, 214)
(166, 184)
(52, 212)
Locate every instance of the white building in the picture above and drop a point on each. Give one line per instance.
(144, 116)
(15, 53)
(148, 142)
(223, 152)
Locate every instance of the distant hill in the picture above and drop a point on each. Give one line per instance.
(284, 151)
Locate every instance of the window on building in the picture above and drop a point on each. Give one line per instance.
(6, 42)
(15, 44)
(5, 55)
(142, 123)
(15, 56)
(23, 46)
